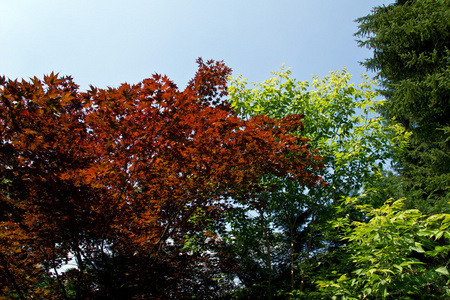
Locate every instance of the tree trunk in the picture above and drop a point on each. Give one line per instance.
(268, 253)
(308, 250)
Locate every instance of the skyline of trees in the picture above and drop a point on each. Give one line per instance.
(229, 190)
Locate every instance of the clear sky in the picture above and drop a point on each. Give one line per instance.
(105, 43)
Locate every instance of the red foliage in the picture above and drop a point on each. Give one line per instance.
(124, 169)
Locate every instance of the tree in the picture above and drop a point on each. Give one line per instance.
(388, 251)
(397, 251)
(339, 122)
(119, 180)
(411, 49)
(43, 215)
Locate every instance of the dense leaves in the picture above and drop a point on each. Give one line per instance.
(145, 191)
(391, 254)
(340, 122)
(119, 182)
(395, 251)
(411, 49)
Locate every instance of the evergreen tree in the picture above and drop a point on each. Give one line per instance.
(411, 55)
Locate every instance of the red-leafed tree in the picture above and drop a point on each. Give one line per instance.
(120, 180)
(43, 136)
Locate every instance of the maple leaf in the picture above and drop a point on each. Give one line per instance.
(125, 171)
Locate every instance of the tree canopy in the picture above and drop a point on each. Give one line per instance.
(411, 49)
(278, 190)
(340, 122)
(117, 180)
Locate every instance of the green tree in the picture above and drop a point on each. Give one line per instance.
(339, 121)
(411, 55)
(388, 253)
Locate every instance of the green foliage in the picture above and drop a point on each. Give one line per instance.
(388, 252)
(339, 120)
(411, 44)
(411, 50)
(194, 241)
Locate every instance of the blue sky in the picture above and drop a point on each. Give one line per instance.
(105, 43)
